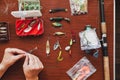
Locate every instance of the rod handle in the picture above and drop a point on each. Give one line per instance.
(103, 27)
(106, 68)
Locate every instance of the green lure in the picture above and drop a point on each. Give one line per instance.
(57, 24)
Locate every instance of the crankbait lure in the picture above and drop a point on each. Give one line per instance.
(58, 19)
(2, 28)
(58, 10)
(57, 24)
(59, 33)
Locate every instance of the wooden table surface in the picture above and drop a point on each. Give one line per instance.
(55, 70)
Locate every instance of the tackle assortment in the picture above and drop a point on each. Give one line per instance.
(30, 23)
(29, 27)
(4, 31)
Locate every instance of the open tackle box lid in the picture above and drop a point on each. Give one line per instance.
(28, 8)
(25, 14)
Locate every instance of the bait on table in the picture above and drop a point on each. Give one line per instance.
(58, 10)
(48, 47)
(60, 58)
(59, 33)
(57, 45)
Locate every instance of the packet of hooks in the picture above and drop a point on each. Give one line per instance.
(89, 39)
(25, 5)
(81, 70)
(79, 7)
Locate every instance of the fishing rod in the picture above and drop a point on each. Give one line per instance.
(104, 41)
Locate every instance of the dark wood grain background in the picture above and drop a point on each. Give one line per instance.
(55, 70)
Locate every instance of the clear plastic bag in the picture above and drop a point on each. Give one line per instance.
(79, 7)
(81, 70)
(89, 39)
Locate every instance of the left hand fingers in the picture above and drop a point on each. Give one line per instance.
(14, 51)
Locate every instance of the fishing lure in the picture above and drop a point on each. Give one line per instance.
(71, 42)
(38, 26)
(58, 10)
(73, 36)
(59, 33)
(29, 28)
(2, 28)
(57, 24)
(48, 47)
(60, 58)
(3, 31)
(56, 45)
(68, 48)
(22, 26)
(96, 54)
(30, 51)
(58, 19)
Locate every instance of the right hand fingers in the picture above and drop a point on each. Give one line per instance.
(33, 61)
(38, 63)
(26, 62)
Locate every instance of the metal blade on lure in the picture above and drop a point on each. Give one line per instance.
(56, 45)
(48, 47)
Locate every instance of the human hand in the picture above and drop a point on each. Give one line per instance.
(11, 55)
(32, 67)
